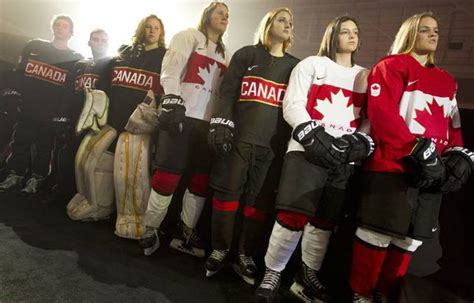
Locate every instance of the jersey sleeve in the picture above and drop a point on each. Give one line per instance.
(296, 95)
(175, 61)
(231, 84)
(386, 86)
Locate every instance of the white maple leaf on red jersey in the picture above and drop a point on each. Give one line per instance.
(337, 110)
(210, 75)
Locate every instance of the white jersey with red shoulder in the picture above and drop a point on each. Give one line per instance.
(408, 100)
(334, 95)
(193, 70)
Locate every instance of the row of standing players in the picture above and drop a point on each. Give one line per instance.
(243, 114)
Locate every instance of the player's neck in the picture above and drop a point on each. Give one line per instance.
(344, 59)
(60, 44)
(213, 35)
(151, 46)
(422, 59)
(276, 49)
(97, 55)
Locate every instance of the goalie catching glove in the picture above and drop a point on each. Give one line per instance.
(320, 147)
(430, 169)
(459, 163)
(220, 137)
(172, 114)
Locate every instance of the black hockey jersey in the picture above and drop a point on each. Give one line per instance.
(252, 92)
(132, 73)
(86, 73)
(42, 74)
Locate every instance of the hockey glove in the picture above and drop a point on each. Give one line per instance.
(172, 114)
(318, 145)
(459, 163)
(430, 170)
(220, 135)
(61, 126)
(358, 146)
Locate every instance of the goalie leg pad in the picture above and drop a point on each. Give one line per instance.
(132, 184)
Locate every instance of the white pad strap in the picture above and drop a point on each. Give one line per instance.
(314, 246)
(281, 246)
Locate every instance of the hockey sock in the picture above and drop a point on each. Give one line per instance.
(157, 209)
(223, 218)
(314, 246)
(250, 233)
(281, 246)
(192, 208)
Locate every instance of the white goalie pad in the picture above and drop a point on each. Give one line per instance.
(94, 177)
(132, 184)
(94, 111)
(144, 119)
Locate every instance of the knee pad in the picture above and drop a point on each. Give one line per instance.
(199, 184)
(132, 184)
(291, 220)
(165, 183)
(94, 177)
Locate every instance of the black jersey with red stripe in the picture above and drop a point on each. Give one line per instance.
(133, 72)
(252, 92)
(42, 72)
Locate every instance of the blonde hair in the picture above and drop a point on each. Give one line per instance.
(205, 21)
(330, 42)
(139, 35)
(263, 33)
(405, 39)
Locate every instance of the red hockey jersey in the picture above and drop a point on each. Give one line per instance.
(408, 100)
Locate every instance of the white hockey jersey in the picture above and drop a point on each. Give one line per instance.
(194, 71)
(322, 90)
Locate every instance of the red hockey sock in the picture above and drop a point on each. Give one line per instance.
(394, 269)
(367, 261)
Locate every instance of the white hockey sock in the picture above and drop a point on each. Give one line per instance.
(314, 246)
(156, 209)
(282, 244)
(192, 208)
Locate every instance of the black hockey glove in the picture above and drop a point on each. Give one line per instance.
(61, 126)
(358, 146)
(318, 145)
(172, 114)
(430, 170)
(220, 137)
(459, 163)
(10, 103)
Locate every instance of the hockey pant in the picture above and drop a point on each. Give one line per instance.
(94, 177)
(379, 261)
(287, 231)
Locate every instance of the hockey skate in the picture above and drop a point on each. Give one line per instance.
(187, 241)
(246, 269)
(150, 241)
(11, 182)
(215, 262)
(307, 286)
(268, 289)
(33, 185)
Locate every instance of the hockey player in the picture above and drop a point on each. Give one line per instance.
(246, 120)
(415, 123)
(43, 69)
(86, 73)
(324, 104)
(192, 71)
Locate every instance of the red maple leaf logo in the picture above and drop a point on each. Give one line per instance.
(436, 124)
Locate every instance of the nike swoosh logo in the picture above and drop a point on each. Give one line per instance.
(166, 110)
(320, 78)
(252, 67)
(412, 82)
(434, 229)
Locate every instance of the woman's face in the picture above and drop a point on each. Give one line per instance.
(152, 31)
(219, 19)
(348, 37)
(281, 27)
(427, 37)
